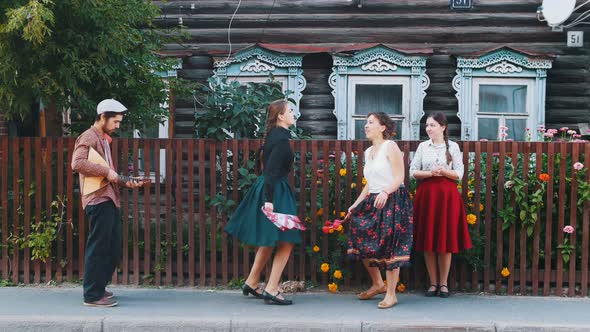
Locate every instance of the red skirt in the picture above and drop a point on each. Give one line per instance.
(439, 217)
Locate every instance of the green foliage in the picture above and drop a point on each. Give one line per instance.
(44, 232)
(528, 204)
(74, 53)
(232, 110)
(236, 283)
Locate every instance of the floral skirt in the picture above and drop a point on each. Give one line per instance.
(383, 236)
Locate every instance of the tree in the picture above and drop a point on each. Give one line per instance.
(74, 53)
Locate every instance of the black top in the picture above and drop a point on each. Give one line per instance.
(278, 159)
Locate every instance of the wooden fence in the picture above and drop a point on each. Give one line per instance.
(173, 231)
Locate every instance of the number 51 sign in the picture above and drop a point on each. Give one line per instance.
(461, 4)
(575, 38)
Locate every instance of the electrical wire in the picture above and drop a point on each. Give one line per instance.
(229, 30)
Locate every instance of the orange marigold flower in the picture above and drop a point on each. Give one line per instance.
(340, 228)
(342, 214)
(505, 272)
(471, 219)
(333, 287)
(338, 274)
(320, 212)
(401, 287)
(342, 171)
(352, 185)
(331, 230)
(544, 177)
(325, 267)
(481, 207)
(364, 181)
(316, 248)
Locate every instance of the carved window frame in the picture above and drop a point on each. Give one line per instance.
(378, 61)
(255, 64)
(511, 66)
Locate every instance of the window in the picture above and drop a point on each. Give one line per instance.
(502, 88)
(382, 94)
(255, 64)
(379, 79)
(503, 103)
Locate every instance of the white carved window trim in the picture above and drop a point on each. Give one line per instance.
(255, 64)
(508, 64)
(404, 81)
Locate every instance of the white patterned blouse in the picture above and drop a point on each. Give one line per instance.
(430, 156)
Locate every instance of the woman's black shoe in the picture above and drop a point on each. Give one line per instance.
(442, 294)
(249, 290)
(431, 293)
(270, 299)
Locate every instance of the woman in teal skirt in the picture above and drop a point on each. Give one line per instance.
(271, 190)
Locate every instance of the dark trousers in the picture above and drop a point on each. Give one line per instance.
(103, 248)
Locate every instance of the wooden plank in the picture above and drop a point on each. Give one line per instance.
(125, 213)
(179, 215)
(573, 208)
(488, 217)
(147, 218)
(70, 213)
(16, 204)
(235, 244)
(48, 189)
(169, 212)
(476, 202)
(512, 232)
(4, 153)
(115, 156)
(246, 250)
(328, 212)
(213, 211)
(191, 212)
(585, 230)
(500, 205)
(315, 218)
(223, 217)
(549, 219)
(537, 232)
(523, 230)
(560, 214)
(27, 153)
(202, 216)
(135, 232)
(60, 193)
(303, 212)
(38, 179)
(291, 261)
(158, 218)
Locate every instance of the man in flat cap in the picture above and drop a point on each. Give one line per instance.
(103, 247)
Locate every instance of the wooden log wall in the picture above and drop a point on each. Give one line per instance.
(403, 24)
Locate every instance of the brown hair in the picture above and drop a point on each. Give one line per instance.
(442, 120)
(273, 111)
(108, 115)
(386, 121)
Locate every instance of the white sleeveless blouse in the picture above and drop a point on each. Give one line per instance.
(378, 171)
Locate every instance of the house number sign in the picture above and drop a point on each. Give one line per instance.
(461, 4)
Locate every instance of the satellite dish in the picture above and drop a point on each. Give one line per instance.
(556, 12)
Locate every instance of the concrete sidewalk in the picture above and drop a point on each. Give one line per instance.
(141, 309)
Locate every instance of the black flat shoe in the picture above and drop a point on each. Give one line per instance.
(249, 290)
(270, 299)
(442, 294)
(432, 293)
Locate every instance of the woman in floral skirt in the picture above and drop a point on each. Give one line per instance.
(381, 217)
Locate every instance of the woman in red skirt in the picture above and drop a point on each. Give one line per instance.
(440, 226)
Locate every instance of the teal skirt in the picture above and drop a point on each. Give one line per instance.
(251, 226)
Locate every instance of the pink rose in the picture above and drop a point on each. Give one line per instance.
(483, 140)
(568, 229)
(578, 166)
(503, 128)
(504, 135)
(548, 134)
(564, 128)
(571, 132)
